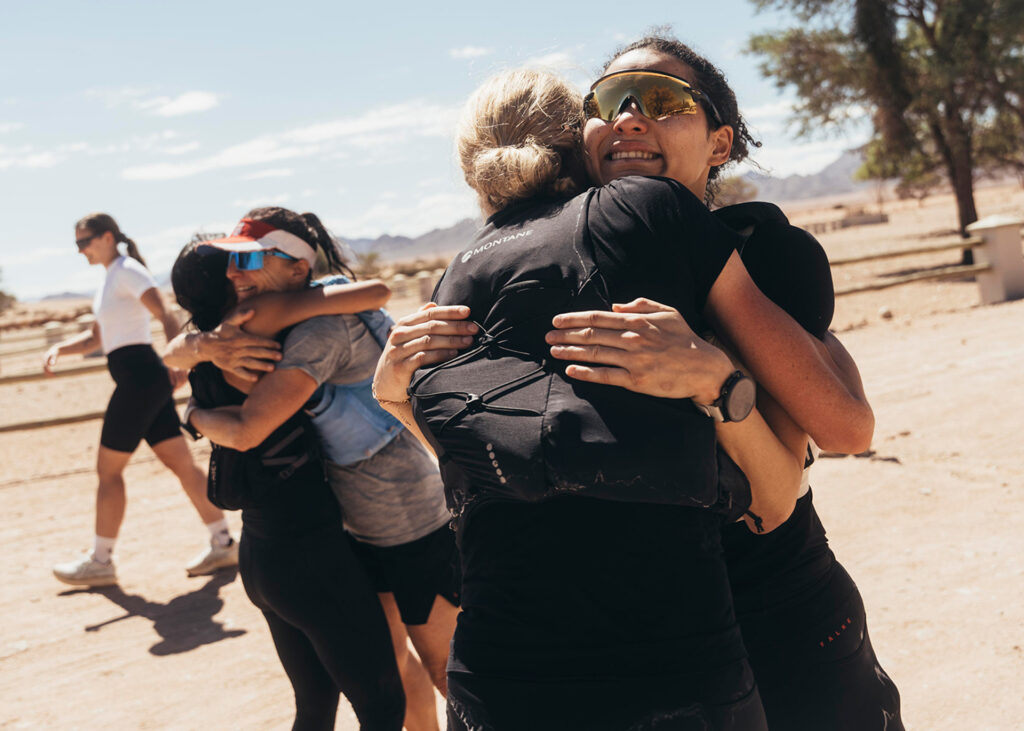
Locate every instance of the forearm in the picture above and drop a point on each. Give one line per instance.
(402, 410)
(771, 468)
(790, 364)
(84, 342)
(370, 294)
(227, 427)
(274, 311)
(845, 366)
(185, 350)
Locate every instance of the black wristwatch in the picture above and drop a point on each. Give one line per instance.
(735, 399)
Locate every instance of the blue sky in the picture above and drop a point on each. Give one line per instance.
(179, 117)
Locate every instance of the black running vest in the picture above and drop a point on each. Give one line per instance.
(506, 421)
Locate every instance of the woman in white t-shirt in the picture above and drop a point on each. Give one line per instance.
(141, 407)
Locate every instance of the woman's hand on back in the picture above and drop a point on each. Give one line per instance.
(643, 346)
(232, 349)
(432, 334)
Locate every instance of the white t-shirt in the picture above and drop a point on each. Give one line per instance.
(122, 318)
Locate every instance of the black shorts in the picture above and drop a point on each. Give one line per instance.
(142, 405)
(416, 572)
(816, 667)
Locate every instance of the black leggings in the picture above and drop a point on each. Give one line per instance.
(815, 665)
(479, 703)
(327, 625)
(142, 405)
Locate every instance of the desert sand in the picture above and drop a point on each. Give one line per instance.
(930, 523)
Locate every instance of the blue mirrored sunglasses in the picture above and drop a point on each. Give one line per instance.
(248, 261)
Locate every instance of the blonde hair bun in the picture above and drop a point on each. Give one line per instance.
(519, 137)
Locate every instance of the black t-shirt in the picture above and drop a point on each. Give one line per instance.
(781, 568)
(566, 585)
(304, 501)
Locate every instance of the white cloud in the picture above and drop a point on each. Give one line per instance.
(467, 52)
(7, 127)
(773, 110)
(27, 156)
(413, 118)
(269, 173)
(253, 152)
(188, 102)
(560, 61)
(379, 130)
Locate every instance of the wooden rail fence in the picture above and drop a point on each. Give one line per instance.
(999, 272)
(998, 267)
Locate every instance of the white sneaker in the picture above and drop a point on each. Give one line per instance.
(213, 558)
(86, 571)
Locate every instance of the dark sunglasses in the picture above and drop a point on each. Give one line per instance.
(84, 242)
(657, 95)
(248, 261)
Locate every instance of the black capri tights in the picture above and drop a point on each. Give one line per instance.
(328, 627)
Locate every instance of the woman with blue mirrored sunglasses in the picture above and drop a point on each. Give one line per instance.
(251, 260)
(388, 486)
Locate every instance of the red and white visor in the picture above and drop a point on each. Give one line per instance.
(252, 235)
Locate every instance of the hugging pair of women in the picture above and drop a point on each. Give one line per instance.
(636, 537)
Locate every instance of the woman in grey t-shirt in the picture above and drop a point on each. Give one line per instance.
(390, 491)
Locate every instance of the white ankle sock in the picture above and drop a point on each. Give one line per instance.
(220, 534)
(103, 548)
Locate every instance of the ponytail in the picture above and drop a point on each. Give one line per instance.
(132, 249)
(326, 245)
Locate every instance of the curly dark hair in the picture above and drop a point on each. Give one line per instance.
(710, 80)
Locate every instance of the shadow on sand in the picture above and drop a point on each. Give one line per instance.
(184, 623)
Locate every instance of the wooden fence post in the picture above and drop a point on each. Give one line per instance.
(425, 282)
(1001, 251)
(53, 331)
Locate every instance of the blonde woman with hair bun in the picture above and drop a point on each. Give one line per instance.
(519, 137)
(595, 594)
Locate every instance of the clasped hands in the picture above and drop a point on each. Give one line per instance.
(643, 346)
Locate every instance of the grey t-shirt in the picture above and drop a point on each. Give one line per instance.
(396, 495)
(331, 349)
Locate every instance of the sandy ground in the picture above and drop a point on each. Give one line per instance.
(931, 525)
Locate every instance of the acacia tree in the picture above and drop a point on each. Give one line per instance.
(940, 78)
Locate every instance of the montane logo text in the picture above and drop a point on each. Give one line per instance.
(492, 244)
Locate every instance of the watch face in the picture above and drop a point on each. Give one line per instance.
(741, 398)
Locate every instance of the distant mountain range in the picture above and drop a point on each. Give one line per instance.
(834, 179)
(439, 242)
